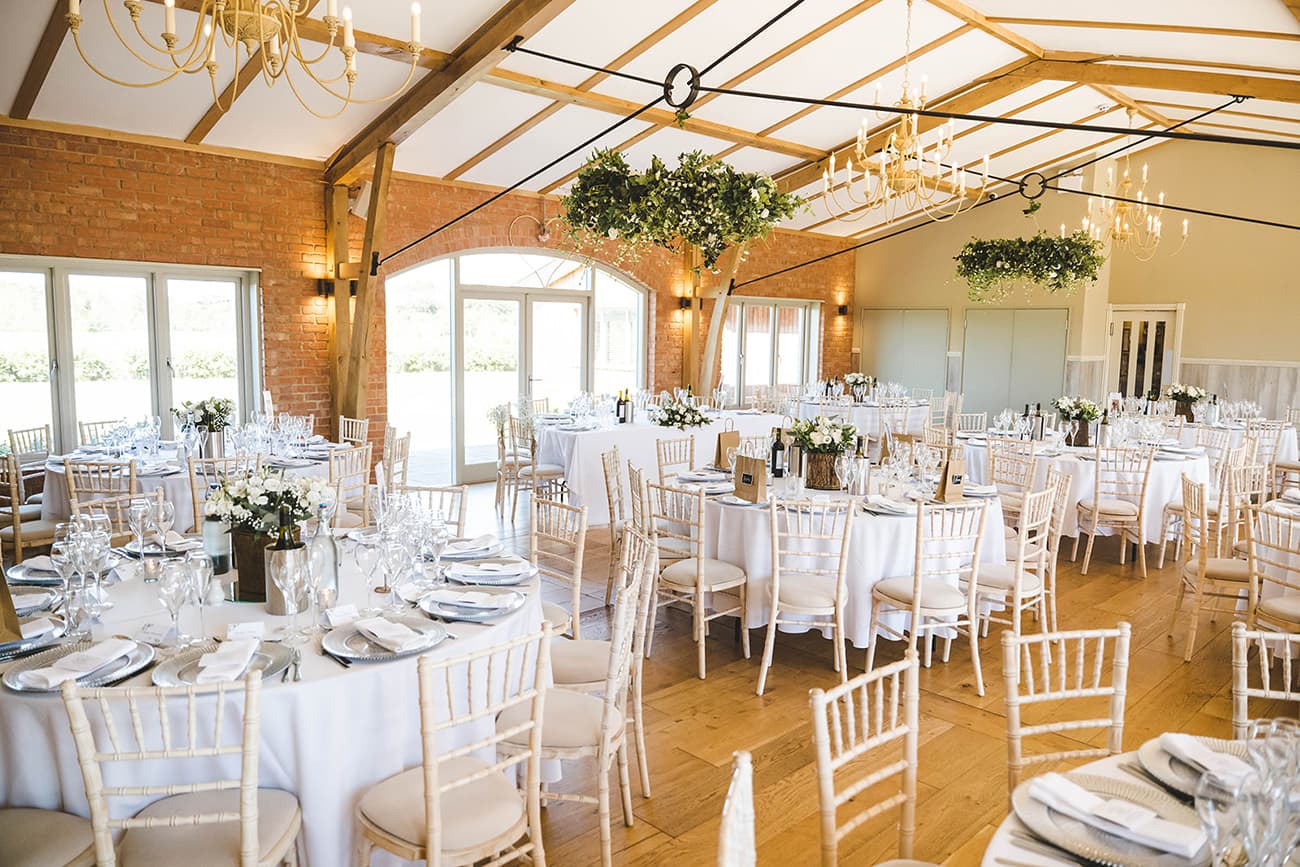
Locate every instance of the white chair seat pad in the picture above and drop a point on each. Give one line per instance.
(808, 591)
(1001, 577)
(571, 720)
(37, 498)
(1110, 508)
(934, 594)
(33, 531)
(1219, 569)
(714, 573)
(1288, 466)
(557, 617)
(540, 470)
(472, 815)
(347, 518)
(1211, 504)
(1281, 608)
(278, 820)
(44, 838)
(583, 661)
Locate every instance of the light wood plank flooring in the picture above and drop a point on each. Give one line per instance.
(695, 725)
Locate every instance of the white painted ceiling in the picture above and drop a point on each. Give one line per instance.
(822, 49)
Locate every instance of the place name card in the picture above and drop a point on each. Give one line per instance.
(340, 615)
(251, 629)
(154, 633)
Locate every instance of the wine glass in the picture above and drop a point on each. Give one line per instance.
(367, 556)
(731, 460)
(173, 590)
(288, 570)
(163, 515)
(200, 566)
(63, 555)
(437, 545)
(137, 519)
(1216, 806)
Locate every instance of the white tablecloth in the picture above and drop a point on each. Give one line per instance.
(325, 739)
(55, 505)
(879, 547)
(1288, 446)
(578, 452)
(866, 416)
(1163, 487)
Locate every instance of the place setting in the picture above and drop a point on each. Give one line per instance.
(90, 663)
(38, 571)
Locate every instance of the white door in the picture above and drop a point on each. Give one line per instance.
(1013, 357)
(907, 346)
(1143, 349)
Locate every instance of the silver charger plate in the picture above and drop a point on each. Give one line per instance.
(1098, 846)
(480, 554)
(115, 672)
(20, 574)
(1174, 772)
(151, 548)
(14, 649)
(733, 500)
(29, 600)
(492, 579)
(347, 642)
(270, 658)
(513, 602)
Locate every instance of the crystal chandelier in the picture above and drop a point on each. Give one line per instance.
(1135, 225)
(266, 29)
(905, 175)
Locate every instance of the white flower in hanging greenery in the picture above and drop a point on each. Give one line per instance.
(993, 268)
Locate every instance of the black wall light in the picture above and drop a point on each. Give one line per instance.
(844, 310)
(325, 287)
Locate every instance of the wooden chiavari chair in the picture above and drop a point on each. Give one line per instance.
(541, 405)
(88, 480)
(557, 538)
(948, 541)
(21, 526)
(397, 460)
(31, 448)
(195, 816)
(1052, 668)
(451, 500)
(675, 456)
(810, 547)
(117, 508)
(1269, 434)
(972, 422)
(867, 716)
(1011, 470)
(350, 477)
(207, 473)
(92, 433)
(354, 431)
(1274, 648)
(1021, 582)
(686, 575)
(1215, 496)
(736, 834)
(1118, 501)
(540, 480)
(456, 807)
(612, 467)
(1273, 550)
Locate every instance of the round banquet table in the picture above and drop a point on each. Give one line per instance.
(880, 546)
(1163, 487)
(579, 451)
(1288, 445)
(325, 739)
(56, 506)
(866, 415)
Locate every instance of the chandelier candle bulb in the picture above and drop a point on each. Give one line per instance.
(349, 38)
(415, 23)
(74, 8)
(169, 18)
(332, 8)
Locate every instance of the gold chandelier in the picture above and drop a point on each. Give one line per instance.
(905, 175)
(1136, 225)
(266, 29)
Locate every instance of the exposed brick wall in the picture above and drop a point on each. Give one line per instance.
(80, 196)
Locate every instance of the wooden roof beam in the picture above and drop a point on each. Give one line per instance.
(471, 61)
(39, 67)
(1124, 100)
(1156, 28)
(1185, 80)
(990, 26)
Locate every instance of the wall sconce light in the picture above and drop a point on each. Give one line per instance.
(684, 303)
(325, 287)
(844, 310)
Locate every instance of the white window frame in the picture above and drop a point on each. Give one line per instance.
(810, 339)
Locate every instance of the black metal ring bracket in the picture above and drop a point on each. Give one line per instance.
(694, 80)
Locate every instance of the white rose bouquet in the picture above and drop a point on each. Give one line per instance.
(1186, 393)
(674, 413)
(252, 502)
(824, 435)
(856, 379)
(1077, 408)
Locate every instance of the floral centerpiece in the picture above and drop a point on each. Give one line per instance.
(822, 440)
(859, 384)
(993, 268)
(251, 505)
(1186, 396)
(1078, 409)
(213, 413)
(675, 413)
(500, 417)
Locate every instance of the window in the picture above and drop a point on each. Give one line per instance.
(94, 341)
(766, 343)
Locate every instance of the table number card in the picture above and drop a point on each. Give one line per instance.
(10, 628)
(727, 439)
(952, 481)
(751, 479)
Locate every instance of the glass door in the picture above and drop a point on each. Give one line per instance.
(204, 343)
(557, 338)
(26, 382)
(489, 372)
(111, 346)
(756, 345)
(1142, 352)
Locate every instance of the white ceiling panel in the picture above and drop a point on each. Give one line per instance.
(482, 115)
(765, 162)
(561, 131)
(271, 119)
(1146, 43)
(1162, 99)
(1258, 15)
(444, 26)
(620, 25)
(18, 41)
(667, 144)
(74, 94)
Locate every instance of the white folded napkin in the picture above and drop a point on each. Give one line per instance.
(701, 476)
(467, 598)
(40, 563)
(1292, 494)
(1116, 816)
(397, 637)
(228, 661)
(38, 627)
(1224, 767)
(76, 665)
(883, 504)
(980, 490)
(177, 542)
(478, 543)
(511, 567)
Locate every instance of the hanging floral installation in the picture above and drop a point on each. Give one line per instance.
(993, 269)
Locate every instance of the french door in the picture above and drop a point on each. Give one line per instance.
(514, 343)
(1143, 348)
(767, 343)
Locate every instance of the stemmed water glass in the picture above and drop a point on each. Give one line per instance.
(289, 572)
(200, 566)
(367, 556)
(137, 518)
(174, 589)
(438, 539)
(163, 516)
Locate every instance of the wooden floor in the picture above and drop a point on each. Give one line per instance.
(695, 725)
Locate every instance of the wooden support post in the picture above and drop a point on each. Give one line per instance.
(358, 375)
(337, 253)
(720, 294)
(691, 339)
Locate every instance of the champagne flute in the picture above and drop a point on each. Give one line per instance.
(200, 566)
(367, 556)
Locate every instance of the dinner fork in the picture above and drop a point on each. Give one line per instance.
(297, 664)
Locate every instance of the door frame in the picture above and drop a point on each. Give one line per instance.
(810, 338)
(1179, 309)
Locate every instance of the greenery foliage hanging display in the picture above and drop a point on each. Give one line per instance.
(994, 268)
(701, 203)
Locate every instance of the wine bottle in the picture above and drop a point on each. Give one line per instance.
(323, 554)
(778, 454)
(284, 535)
(216, 544)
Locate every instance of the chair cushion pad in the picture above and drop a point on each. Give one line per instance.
(472, 814)
(934, 594)
(584, 661)
(1286, 608)
(714, 573)
(571, 720)
(808, 591)
(541, 470)
(1001, 577)
(1108, 507)
(44, 838)
(278, 820)
(1219, 569)
(556, 616)
(33, 531)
